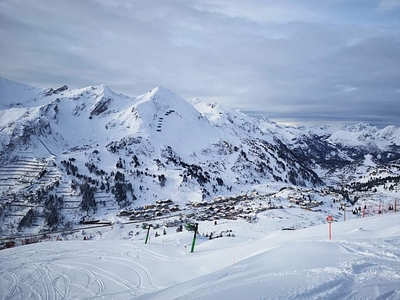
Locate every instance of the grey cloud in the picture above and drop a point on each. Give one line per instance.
(385, 5)
(305, 60)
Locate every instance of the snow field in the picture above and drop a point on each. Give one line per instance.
(360, 262)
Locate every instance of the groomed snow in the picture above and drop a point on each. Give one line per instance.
(362, 261)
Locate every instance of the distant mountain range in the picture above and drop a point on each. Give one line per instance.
(74, 150)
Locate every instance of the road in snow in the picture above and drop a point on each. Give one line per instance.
(361, 262)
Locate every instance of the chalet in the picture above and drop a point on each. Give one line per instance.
(174, 208)
(220, 199)
(166, 201)
(198, 204)
(149, 206)
(124, 213)
(150, 211)
(172, 223)
(165, 210)
(140, 216)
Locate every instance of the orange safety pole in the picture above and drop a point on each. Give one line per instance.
(330, 230)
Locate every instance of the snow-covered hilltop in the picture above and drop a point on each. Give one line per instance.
(67, 153)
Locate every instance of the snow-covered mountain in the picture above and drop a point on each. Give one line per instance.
(76, 151)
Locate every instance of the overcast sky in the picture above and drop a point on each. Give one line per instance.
(297, 61)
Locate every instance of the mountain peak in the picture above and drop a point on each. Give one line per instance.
(164, 99)
(13, 93)
(161, 91)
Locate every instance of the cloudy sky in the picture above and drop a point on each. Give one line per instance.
(298, 61)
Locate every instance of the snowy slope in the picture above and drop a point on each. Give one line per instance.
(390, 133)
(360, 262)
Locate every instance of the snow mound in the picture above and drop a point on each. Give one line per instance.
(117, 264)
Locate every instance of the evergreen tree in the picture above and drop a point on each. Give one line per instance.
(51, 210)
(162, 180)
(88, 201)
(28, 219)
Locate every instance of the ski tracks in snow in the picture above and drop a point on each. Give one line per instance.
(73, 275)
(365, 271)
(377, 271)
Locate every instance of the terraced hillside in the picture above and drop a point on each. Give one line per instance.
(21, 183)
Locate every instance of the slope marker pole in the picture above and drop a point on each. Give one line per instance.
(147, 235)
(196, 226)
(329, 219)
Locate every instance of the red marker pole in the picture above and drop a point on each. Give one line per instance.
(330, 230)
(329, 219)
